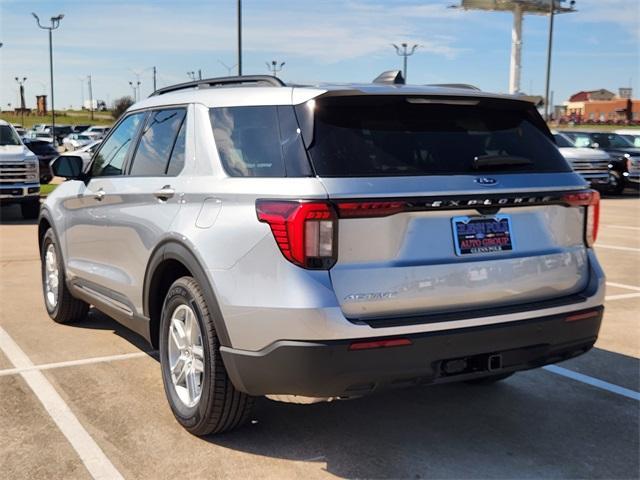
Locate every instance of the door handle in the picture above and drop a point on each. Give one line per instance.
(165, 193)
(99, 195)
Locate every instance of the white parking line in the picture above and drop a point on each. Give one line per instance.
(622, 285)
(71, 363)
(594, 382)
(94, 459)
(616, 247)
(622, 296)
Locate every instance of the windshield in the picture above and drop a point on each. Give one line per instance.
(396, 136)
(8, 136)
(562, 141)
(610, 140)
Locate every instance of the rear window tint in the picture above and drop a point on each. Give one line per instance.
(259, 141)
(395, 136)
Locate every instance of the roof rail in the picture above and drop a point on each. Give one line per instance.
(221, 82)
(465, 86)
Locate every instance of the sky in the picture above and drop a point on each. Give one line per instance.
(117, 41)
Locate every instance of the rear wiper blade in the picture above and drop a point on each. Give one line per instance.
(500, 161)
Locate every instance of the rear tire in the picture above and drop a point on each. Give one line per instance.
(61, 306)
(616, 183)
(31, 209)
(196, 383)
(490, 380)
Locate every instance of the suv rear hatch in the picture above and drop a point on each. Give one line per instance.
(445, 204)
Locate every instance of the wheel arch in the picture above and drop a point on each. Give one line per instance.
(170, 261)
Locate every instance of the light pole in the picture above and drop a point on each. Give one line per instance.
(192, 75)
(135, 86)
(239, 38)
(82, 92)
(90, 95)
(405, 52)
(22, 105)
(55, 23)
(274, 67)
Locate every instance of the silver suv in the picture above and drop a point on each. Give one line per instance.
(316, 242)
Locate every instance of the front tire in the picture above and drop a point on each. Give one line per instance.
(61, 306)
(196, 383)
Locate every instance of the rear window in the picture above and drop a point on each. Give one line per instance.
(396, 136)
(259, 141)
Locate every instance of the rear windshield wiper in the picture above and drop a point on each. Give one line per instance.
(483, 161)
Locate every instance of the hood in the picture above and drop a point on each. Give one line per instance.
(15, 153)
(590, 154)
(630, 150)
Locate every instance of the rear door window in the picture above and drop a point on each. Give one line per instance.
(157, 141)
(364, 136)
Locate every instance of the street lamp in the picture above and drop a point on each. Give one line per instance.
(55, 23)
(274, 67)
(405, 52)
(22, 105)
(135, 86)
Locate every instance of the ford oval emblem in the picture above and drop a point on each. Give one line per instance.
(486, 181)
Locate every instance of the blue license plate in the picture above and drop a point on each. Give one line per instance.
(477, 235)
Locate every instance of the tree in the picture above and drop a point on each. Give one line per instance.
(120, 106)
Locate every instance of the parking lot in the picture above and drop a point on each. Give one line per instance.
(89, 398)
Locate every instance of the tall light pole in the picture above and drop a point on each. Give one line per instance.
(90, 95)
(155, 75)
(274, 68)
(82, 92)
(136, 88)
(405, 52)
(552, 9)
(55, 23)
(239, 37)
(22, 105)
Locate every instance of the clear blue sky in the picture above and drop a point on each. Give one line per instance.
(321, 40)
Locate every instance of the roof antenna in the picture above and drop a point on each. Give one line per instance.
(390, 77)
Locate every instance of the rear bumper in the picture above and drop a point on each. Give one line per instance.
(331, 369)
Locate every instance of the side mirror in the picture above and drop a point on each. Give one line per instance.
(67, 166)
(595, 145)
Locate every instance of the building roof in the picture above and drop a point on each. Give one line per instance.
(585, 95)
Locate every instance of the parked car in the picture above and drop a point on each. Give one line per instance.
(80, 128)
(591, 163)
(61, 131)
(317, 243)
(40, 127)
(86, 153)
(625, 163)
(45, 152)
(20, 131)
(39, 135)
(76, 140)
(631, 134)
(97, 132)
(18, 173)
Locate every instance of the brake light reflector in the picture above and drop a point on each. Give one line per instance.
(304, 231)
(591, 200)
(368, 345)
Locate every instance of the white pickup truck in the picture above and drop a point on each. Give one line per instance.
(19, 175)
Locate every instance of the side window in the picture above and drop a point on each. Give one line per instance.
(248, 141)
(176, 162)
(113, 152)
(157, 141)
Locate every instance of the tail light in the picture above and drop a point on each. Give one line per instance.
(306, 232)
(589, 199)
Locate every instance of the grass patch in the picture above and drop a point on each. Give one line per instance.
(62, 118)
(46, 189)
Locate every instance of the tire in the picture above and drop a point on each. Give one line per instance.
(616, 183)
(490, 380)
(65, 308)
(31, 209)
(217, 407)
